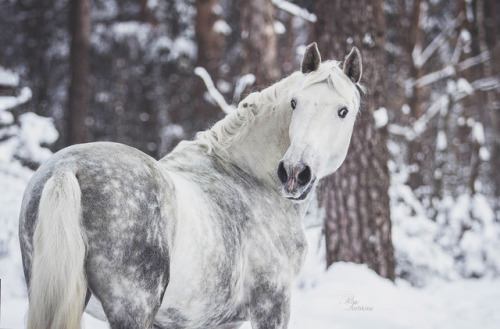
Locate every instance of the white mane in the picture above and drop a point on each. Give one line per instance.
(272, 99)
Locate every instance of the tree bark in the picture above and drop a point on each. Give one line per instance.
(211, 43)
(487, 21)
(79, 92)
(416, 99)
(146, 15)
(357, 222)
(260, 43)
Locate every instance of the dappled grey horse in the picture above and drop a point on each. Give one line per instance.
(207, 237)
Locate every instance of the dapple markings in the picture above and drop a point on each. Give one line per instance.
(207, 237)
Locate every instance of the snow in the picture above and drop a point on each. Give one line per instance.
(183, 46)
(430, 78)
(6, 118)
(381, 117)
(214, 93)
(352, 296)
(420, 57)
(222, 27)
(368, 40)
(486, 84)
(345, 296)
(420, 126)
(124, 30)
(242, 83)
(9, 102)
(472, 61)
(218, 10)
(295, 10)
(478, 133)
(484, 154)
(279, 28)
(8, 78)
(35, 130)
(469, 11)
(405, 109)
(464, 86)
(465, 36)
(461, 240)
(441, 142)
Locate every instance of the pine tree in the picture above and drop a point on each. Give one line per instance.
(357, 222)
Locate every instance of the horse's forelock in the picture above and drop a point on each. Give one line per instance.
(331, 72)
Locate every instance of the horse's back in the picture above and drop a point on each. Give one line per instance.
(124, 217)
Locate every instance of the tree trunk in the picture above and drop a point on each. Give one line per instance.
(260, 43)
(416, 99)
(211, 42)
(487, 16)
(79, 92)
(357, 222)
(147, 16)
(210, 39)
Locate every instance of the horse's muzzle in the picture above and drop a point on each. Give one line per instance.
(297, 180)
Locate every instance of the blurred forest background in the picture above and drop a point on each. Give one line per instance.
(419, 192)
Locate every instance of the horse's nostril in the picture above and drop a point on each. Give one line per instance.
(282, 174)
(304, 176)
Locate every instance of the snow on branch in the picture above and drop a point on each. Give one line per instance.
(242, 83)
(295, 10)
(485, 84)
(214, 93)
(427, 79)
(8, 78)
(10, 102)
(450, 70)
(420, 57)
(473, 61)
(420, 126)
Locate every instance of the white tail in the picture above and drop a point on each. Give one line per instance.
(58, 284)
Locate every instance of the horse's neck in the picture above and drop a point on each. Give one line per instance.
(260, 149)
(254, 138)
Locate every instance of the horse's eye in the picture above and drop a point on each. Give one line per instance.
(343, 112)
(293, 103)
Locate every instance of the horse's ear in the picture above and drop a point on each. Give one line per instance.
(353, 67)
(311, 59)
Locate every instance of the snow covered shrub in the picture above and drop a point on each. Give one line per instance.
(462, 241)
(22, 141)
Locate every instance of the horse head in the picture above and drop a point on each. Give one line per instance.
(324, 105)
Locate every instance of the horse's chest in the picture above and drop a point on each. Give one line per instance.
(222, 250)
(212, 284)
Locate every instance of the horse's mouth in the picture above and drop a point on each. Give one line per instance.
(304, 194)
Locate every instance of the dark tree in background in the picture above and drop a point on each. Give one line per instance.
(260, 42)
(79, 90)
(357, 223)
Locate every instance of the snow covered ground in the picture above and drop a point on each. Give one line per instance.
(346, 296)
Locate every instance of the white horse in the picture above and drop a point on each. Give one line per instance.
(207, 237)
